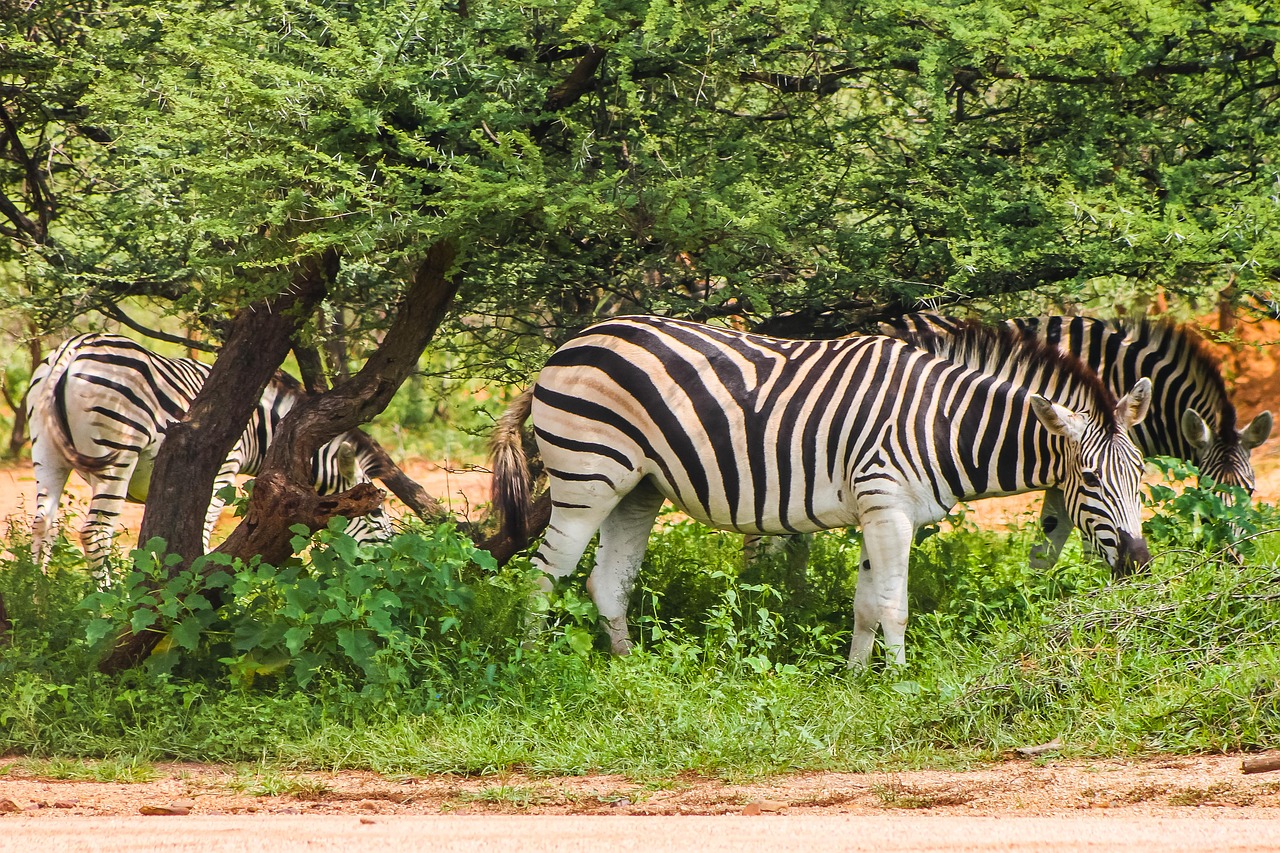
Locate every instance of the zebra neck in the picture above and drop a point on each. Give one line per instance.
(1001, 448)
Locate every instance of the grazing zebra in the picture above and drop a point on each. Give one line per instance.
(1191, 416)
(100, 404)
(765, 435)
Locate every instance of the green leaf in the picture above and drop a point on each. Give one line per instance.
(187, 632)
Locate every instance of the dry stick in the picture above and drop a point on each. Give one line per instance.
(1265, 764)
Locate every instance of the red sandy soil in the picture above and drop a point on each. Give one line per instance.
(1046, 787)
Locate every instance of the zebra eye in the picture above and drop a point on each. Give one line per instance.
(1091, 479)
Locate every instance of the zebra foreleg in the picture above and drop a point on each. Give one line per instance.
(623, 538)
(881, 597)
(1056, 526)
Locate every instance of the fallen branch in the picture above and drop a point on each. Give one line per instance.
(1266, 764)
(1039, 749)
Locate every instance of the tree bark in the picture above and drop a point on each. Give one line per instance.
(311, 367)
(283, 494)
(284, 482)
(35, 353)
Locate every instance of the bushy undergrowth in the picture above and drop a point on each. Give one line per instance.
(420, 655)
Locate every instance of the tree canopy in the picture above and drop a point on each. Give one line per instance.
(769, 159)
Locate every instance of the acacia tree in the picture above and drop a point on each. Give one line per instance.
(806, 167)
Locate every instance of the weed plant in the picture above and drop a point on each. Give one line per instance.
(420, 655)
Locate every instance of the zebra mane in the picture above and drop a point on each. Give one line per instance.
(1006, 354)
(1202, 364)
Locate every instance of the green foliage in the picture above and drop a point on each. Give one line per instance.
(392, 616)
(1203, 516)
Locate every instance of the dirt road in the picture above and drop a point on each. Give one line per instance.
(523, 834)
(1185, 803)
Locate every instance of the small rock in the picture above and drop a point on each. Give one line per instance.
(288, 811)
(164, 810)
(367, 820)
(65, 804)
(8, 807)
(367, 805)
(621, 801)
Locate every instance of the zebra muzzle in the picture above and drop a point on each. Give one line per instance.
(1131, 555)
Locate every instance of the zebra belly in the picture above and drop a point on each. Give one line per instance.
(829, 511)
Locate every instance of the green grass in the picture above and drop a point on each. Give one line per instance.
(126, 769)
(264, 780)
(426, 665)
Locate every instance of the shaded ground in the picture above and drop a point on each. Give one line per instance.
(1165, 786)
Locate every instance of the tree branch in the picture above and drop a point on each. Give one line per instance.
(115, 312)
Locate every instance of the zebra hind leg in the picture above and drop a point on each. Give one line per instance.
(881, 596)
(51, 472)
(623, 538)
(569, 531)
(99, 528)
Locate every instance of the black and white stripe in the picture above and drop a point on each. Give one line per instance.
(770, 436)
(100, 404)
(1191, 416)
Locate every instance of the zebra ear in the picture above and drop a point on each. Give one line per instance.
(1059, 420)
(347, 461)
(1256, 432)
(1195, 430)
(1133, 406)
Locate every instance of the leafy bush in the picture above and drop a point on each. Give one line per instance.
(423, 607)
(1204, 516)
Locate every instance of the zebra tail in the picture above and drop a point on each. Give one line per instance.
(45, 410)
(511, 470)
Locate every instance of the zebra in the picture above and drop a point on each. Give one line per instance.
(773, 436)
(100, 404)
(1191, 415)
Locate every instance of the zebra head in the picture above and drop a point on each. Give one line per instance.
(375, 526)
(1101, 472)
(1223, 455)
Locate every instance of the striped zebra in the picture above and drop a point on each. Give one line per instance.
(100, 404)
(766, 435)
(1191, 417)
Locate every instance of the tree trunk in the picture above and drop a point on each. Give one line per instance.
(401, 484)
(196, 445)
(17, 438)
(283, 494)
(311, 368)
